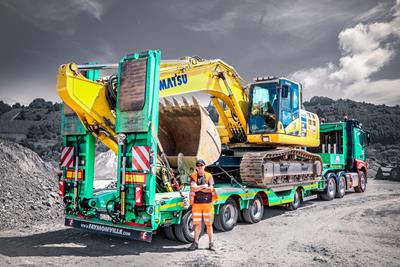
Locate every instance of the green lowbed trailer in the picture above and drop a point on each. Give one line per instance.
(135, 210)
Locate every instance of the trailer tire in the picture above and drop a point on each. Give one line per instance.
(184, 231)
(169, 232)
(227, 218)
(296, 200)
(254, 213)
(363, 184)
(330, 191)
(341, 186)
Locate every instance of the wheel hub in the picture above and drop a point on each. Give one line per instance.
(229, 215)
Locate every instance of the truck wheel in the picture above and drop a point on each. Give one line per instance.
(169, 232)
(341, 188)
(395, 173)
(227, 218)
(330, 191)
(296, 200)
(363, 184)
(255, 212)
(184, 231)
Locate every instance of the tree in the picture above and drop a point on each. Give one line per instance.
(4, 107)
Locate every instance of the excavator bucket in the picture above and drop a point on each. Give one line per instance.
(187, 133)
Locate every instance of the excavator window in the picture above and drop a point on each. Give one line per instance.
(262, 112)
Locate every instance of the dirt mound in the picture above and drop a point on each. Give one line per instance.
(28, 188)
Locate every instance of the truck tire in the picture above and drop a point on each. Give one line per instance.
(169, 232)
(227, 218)
(296, 200)
(184, 231)
(341, 187)
(254, 213)
(330, 190)
(363, 184)
(395, 173)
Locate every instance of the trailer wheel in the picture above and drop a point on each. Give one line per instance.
(341, 187)
(254, 213)
(296, 200)
(363, 184)
(330, 191)
(184, 231)
(169, 232)
(227, 218)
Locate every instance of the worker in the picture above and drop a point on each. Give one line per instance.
(270, 116)
(201, 197)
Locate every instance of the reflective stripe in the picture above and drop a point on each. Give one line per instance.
(196, 220)
(207, 214)
(197, 213)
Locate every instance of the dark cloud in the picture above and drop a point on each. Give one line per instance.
(257, 37)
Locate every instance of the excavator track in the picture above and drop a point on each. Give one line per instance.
(280, 167)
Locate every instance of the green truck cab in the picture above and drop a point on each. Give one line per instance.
(342, 149)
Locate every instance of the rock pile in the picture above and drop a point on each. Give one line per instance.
(28, 188)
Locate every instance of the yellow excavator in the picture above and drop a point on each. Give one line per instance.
(262, 123)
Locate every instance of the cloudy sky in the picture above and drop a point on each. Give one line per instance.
(338, 48)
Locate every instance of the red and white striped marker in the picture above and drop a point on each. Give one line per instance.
(141, 158)
(67, 156)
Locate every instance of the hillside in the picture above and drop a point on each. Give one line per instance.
(36, 126)
(383, 122)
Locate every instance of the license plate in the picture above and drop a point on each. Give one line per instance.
(104, 216)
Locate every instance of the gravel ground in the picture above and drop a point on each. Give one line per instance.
(28, 188)
(359, 230)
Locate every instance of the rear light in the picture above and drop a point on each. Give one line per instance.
(135, 178)
(70, 175)
(61, 188)
(139, 196)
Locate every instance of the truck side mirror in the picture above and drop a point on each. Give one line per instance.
(285, 91)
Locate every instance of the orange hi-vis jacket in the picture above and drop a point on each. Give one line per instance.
(192, 193)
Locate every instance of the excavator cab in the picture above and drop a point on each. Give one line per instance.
(275, 116)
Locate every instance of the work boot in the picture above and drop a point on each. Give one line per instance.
(194, 246)
(212, 247)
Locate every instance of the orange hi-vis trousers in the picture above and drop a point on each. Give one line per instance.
(203, 210)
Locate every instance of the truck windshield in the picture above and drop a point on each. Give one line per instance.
(263, 108)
